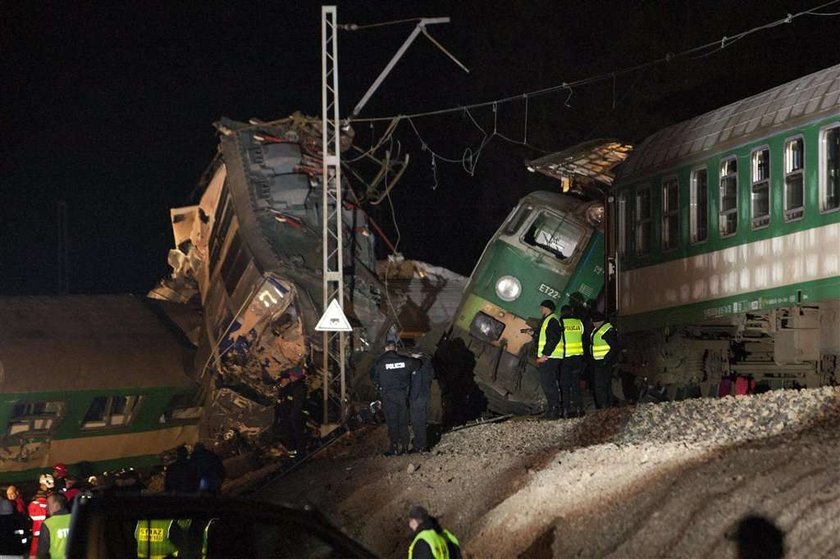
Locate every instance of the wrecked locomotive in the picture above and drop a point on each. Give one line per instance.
(723, 238)
(248, 255)
(549, 247)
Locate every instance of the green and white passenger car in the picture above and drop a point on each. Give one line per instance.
(727, 228)
(96, 382)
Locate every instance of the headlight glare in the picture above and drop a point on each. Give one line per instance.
(508, 288)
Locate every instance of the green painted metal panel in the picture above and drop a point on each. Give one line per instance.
(799, 293)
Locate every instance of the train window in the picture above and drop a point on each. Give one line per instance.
(760, 191)
(515, 223)
(33, 418)
(182, 408)
(234, 264)
(220, 228)
(642, 222)
(670, 213)
(110, 411)
(699, 214)
(554, 234)
(794, 186)
(623, 220)
(728, 197)
(830, 168)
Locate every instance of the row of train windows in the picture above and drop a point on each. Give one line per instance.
(42, 417)
(637, 225)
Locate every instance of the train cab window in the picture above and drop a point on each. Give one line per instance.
(728, 197)
(670, 213)
(830, 168)
(760, 191)
(554, 234)
(699, 214)
(794, 185)
(35, 418)
(110, 411)
(516, 222)
(642, 222)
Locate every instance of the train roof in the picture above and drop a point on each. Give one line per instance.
(787, 105)
(87, 342)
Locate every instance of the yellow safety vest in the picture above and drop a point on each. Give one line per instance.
(572, 337)
(59, 527)
(558, 349)
(437, 543)
(153, 539)
(600, 348)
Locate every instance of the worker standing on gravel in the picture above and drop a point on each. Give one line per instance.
(571, 367)
(604, 349)
(549, 355)
(418, 396)
(391, 373)
(431, 541)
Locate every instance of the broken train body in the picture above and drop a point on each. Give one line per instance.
(250, 255)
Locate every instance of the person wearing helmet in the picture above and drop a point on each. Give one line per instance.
(60, 473)
(38, 509)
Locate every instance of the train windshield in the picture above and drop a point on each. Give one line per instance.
(554, 234)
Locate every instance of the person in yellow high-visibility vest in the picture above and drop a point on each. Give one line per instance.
(604, 350)
(549, 355)
(431, 541)
(573, 363)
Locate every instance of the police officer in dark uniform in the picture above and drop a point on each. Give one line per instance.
(604, 351)
(391, 373)
(549, 353)
(418, 396)
(573, 362)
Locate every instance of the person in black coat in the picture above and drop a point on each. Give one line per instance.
(11, 530)
(418, 397)
(391, 373)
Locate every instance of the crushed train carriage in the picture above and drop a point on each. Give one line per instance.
(249, 255)
(723, 253)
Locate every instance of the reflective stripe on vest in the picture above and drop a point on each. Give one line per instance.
(600, 348)
(572, 337)
(437, 543)
(59, 526)
(558, 349)
(153, 539)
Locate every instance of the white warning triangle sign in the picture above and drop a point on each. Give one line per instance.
(333, 319)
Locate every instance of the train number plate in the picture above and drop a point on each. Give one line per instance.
(550, 291)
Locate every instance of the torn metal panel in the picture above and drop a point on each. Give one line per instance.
(424, 296)
(232, 414)
(592, 161)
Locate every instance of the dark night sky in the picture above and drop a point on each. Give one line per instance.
(108, 106)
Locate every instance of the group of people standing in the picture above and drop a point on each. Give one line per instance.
(405, 383)
(39, 529)
(562, 350)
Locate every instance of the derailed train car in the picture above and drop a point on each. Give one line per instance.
(99, 382)
(724, 240)
(249, 255)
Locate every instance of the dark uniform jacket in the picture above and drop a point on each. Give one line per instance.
(392, 371)
(421, 380)
(611, 337)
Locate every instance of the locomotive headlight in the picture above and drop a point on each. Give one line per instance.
(508, 288)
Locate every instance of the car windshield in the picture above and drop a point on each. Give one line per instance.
(554, 234)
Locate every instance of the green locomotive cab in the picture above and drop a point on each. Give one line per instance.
(550, 247)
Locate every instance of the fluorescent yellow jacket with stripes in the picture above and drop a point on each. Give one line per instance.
(600, 348)
(437, 543)
(572, 337)
(558, 349)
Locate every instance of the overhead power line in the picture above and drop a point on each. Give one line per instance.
(712, 47)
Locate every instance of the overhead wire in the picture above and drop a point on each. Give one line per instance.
(712, 46)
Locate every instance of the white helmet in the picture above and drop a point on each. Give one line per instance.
(47, 481)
